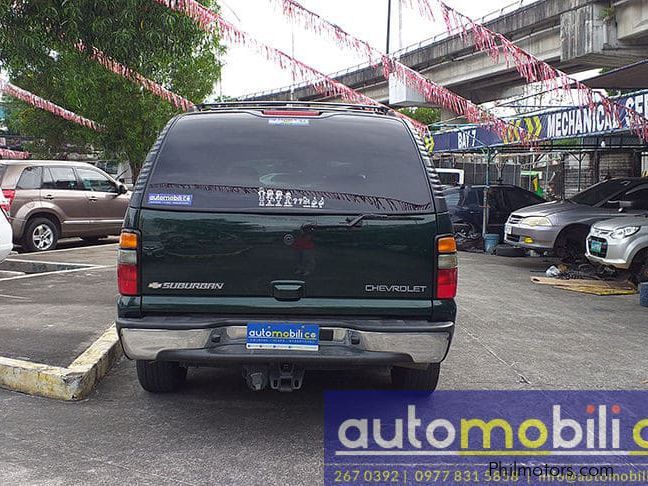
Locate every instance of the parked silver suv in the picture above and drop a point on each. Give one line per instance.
(48, 200)
(621, 243)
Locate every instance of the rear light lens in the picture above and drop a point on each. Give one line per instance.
(298, 113)
(447, 283)
(447, 271)
(9, 195)
(128, 241)
(127, 264)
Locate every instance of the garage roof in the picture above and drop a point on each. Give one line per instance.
(632, 76)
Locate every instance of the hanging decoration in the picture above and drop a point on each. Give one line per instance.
(530, 67)
(432, 92)
(13, 154)
(112, 65)
(38, 102)
(323, 84)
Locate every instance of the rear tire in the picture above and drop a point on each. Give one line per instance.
(41, 234)
(160, 376)
(424, 380)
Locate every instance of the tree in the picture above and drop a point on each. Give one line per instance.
(147, 37)
(427, 116)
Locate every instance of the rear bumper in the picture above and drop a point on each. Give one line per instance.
(342, 342)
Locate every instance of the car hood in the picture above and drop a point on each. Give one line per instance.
(548, 208)
(616, 223)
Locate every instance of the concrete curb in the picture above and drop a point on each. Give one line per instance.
(72, 383)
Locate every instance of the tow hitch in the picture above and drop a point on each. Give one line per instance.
(284, 377)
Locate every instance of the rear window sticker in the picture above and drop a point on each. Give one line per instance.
(171, 199)
(300, 122)
(276, 198)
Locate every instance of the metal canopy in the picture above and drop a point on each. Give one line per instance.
(632, 76)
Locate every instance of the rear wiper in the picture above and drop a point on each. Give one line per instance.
(350, 222)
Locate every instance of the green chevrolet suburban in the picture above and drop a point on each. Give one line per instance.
(281, 237)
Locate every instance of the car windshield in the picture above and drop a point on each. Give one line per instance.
(243, 161)
(600, 192)
(452, 197)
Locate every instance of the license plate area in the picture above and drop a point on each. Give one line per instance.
(282, 336)
(596, 247)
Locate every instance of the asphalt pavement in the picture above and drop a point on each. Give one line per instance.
(53, 317)
(512, 334)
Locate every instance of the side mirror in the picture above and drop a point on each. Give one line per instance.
(121, 189)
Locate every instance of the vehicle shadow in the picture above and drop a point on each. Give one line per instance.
(216, 381)
(70, 243)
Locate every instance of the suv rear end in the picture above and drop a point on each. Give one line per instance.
(286, 237)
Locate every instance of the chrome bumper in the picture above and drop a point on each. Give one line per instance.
(420, 347)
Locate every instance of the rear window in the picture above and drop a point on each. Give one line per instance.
(30, 178)
(242, 161)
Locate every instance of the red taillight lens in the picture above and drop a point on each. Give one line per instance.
(127, 279)
(127, 264)
(446, 287)
(9, 195)
(298, 113)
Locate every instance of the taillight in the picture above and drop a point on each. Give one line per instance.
(447, 273)
(127, 264)
(9, 195)
(298, 113)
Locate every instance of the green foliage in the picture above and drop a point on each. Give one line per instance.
(427, 116)
(160, 44)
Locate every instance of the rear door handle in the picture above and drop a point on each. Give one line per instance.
(287, 290)
(93, 198)
(48, 197)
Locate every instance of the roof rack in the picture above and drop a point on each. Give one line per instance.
(298, 105)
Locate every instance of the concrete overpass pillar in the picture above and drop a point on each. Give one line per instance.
(605, 33)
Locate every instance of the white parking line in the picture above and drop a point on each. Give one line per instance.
(77, 248)
(31, 275)
(13, 296)
(49, 263)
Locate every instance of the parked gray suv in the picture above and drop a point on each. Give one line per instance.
(562, 226)
(48, 200)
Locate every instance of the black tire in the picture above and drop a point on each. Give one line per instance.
(160, 376)
(570, 247)
(509, 251)
(639, 267)
(41, 234)
(425, 380)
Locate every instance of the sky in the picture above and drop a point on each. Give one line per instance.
(246, 72)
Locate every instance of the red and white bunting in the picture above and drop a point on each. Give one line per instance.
(432, 92)
(43, 104)
(322, 83)
(126, 72)
(13, 154)
(530, 67)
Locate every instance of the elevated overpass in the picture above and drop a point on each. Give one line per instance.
(573, 35)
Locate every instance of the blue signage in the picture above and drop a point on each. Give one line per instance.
(278, 335)
(550, 125)
(479, 437)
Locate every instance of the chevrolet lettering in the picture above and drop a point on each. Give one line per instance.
(405, 289)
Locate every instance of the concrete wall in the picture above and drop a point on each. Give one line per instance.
(631, 18)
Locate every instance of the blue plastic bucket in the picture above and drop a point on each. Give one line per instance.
(491, 240)
(643, 294)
